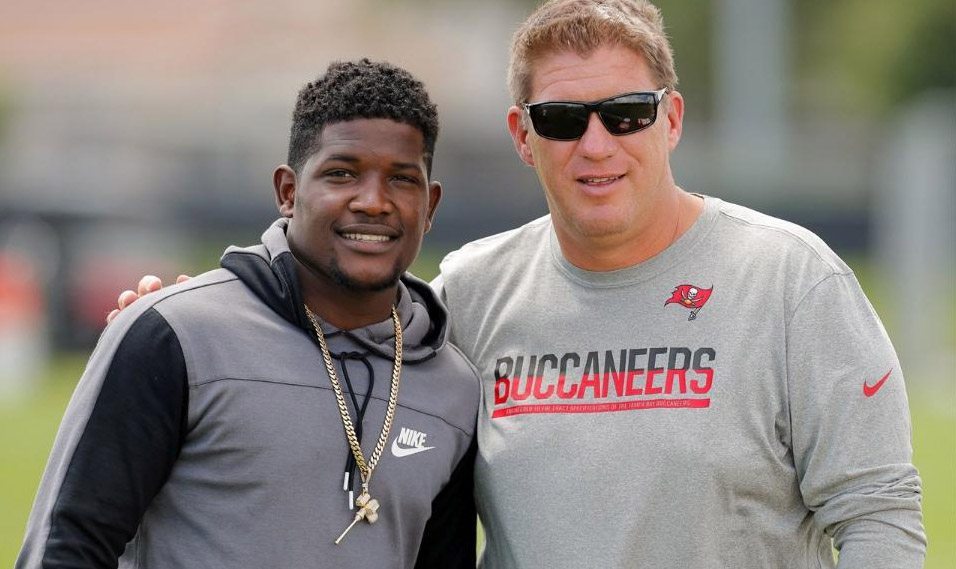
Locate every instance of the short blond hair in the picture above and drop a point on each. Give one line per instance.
(582, 26)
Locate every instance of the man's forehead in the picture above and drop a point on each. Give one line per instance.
(369, 127)
(388, 138)
(571, 74)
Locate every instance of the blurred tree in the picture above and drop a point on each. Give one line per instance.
(865, 56)
(927, 59)
(690, 28)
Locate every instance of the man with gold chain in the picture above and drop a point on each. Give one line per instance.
(220, 423)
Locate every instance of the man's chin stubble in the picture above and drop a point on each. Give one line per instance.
(342, 279)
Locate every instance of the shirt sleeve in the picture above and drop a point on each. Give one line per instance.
(850, 429)
(448, 541)
(119, 438)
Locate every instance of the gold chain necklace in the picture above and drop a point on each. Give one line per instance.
(368, 506)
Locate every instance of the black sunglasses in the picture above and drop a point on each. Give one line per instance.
(621, 114)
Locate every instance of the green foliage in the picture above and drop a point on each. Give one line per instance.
(934, 453)
(866, 56)
(690, 27)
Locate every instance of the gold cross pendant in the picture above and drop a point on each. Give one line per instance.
(368, 511)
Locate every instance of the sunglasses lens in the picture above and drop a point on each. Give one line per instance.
(621, 115)
(628, 114)
(559, 121)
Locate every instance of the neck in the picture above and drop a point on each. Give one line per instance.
(671, 218)
(343, 307)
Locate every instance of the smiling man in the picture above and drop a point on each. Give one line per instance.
(670, 380)
(237, 420)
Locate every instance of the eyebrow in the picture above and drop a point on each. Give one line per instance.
(406, 166)
(348, 158)
(342, 158)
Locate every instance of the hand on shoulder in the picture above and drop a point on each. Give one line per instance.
(147, 284)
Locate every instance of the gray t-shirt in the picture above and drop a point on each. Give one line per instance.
(732, 402)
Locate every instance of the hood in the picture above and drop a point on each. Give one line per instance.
(269, 270)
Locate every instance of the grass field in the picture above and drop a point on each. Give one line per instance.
(27, 428)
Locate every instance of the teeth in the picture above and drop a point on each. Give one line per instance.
(600, 180)
(366, 237)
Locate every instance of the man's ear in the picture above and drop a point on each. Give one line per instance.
(434, 196)
(675, 118)
(519, 134)
(284, 181)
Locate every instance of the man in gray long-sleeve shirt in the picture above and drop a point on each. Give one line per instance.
(670, 380)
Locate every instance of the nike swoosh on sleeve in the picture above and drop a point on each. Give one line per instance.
(870, 390)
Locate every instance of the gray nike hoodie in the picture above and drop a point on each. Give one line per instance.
(205, 433)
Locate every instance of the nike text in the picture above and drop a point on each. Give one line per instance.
(409, 442)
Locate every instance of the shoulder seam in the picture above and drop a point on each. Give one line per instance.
(471, 366)
(790, 318)
(322, 387)
(790, 234)
(796, 307)
(178, 292)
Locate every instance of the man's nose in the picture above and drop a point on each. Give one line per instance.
(597, 143)
(372, 197)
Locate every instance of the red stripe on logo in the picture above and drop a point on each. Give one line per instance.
(564, 408)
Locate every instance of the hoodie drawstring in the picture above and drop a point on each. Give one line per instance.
(349, 478)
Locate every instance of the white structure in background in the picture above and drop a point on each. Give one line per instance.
(752, 80)
(915, 235)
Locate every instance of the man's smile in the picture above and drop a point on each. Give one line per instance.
(599, 185)
(367, 237)
(599, 180)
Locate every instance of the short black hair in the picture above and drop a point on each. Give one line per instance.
(362, 89)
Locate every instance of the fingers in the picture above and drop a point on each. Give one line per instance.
(126, 298)
(148, 284)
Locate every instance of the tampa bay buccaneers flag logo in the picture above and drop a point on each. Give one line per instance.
(691, 297)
